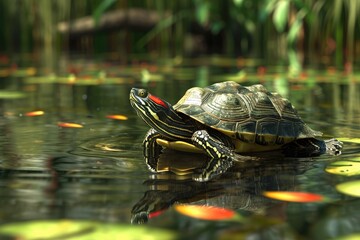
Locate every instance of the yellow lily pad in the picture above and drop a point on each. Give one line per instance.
(344, 168)
(350, 140)
(355, 236)
(351, 188)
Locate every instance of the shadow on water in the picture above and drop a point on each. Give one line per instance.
(97, 172)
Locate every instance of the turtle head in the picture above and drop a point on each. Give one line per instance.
(157, 113)
(141, 98)
(149, 107)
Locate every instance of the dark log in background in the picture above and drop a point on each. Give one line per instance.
(129, 18)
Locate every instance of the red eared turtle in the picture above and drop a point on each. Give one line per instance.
(223, 119)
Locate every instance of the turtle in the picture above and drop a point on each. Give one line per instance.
(225, 121)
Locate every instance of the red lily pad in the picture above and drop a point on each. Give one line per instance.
(34, 113)
(302, 197)
(117, 117)
(206, 212)
(69, 125)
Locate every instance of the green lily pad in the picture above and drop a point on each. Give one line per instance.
(24, 72)
(79, 230)
(5, 94)
(351, 140)
(41, 80)
(354, 236)
(351, 188)
(344, 168)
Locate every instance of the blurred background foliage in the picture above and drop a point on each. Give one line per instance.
(316, 30)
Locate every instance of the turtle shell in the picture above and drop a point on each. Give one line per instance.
(250, 114)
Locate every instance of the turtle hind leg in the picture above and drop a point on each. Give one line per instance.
(311, 147)
(221, 156)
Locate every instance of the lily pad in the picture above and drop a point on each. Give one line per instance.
(34, 113)
(206, 212)
(355, 236)
(351, 188)
(294, 196)
(24, 72)
(117, 117)
(41, 79)
(351, 140)
(4, 94)
(344, 168)
(79, 230)
(69, 125)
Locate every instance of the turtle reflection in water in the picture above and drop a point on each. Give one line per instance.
(239, 188)
(226, 121)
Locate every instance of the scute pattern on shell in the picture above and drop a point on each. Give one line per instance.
(251, 114)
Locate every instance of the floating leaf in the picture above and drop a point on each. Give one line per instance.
(41, 79)
(76, 229)
(351, 140)
(117, 117)
(69, 125)
(351, 188)
(345, 168)
(4, 94)
(34, 113)
(294, 196)
(24, 72)
(354, 236)
(205, 212)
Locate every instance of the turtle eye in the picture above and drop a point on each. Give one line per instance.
(142, 93)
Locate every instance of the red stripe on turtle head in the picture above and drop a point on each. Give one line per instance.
(158, 101)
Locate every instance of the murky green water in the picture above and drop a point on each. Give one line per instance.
(97, 172)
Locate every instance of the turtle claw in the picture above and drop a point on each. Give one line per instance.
(151, 169)
(200, 178)
(140, 218)
(333, 146)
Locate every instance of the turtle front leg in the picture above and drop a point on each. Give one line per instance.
(333, 146)
(221, 155)
(151, 149)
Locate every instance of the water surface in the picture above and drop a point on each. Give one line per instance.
(97, 172)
